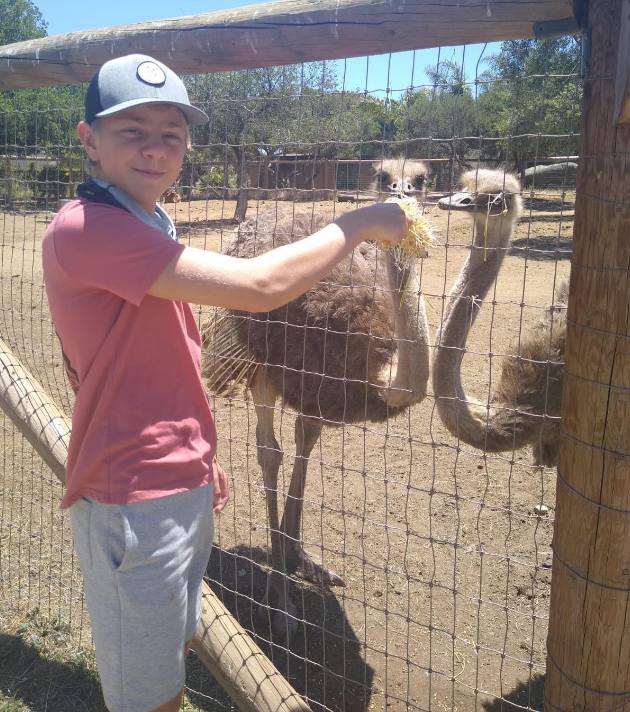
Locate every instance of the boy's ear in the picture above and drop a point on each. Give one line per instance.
(86, 136)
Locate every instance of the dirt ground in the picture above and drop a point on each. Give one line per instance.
(444, 558)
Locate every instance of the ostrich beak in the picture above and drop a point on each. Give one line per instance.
(458, 201)
(401, 191)
(493, 203)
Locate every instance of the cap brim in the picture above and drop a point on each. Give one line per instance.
(193, 115)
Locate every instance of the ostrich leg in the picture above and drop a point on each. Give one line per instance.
(269, 458)
(307, 431)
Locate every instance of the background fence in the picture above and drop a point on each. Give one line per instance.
(444, 548)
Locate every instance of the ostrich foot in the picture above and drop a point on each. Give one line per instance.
(311, 568)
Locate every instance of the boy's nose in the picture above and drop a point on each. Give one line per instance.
(154, 148)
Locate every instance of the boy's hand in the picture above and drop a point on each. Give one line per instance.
(221, 486)
(381, 221)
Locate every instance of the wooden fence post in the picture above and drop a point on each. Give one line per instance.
(588, 647)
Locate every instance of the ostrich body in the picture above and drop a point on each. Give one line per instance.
(353, 348)
(524, 408)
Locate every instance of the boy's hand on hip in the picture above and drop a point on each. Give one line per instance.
(221, 486)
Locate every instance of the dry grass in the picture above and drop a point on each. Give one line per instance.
(42, 668)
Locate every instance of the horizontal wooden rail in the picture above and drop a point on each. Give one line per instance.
(277, 33)
(225, 648)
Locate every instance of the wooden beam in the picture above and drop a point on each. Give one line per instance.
(622, 83)
(237, 663)
(225, 648)
(588, 646)
(277, 33)
(33, 413)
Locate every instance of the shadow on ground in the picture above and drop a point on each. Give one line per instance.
(34, 679)
(215, 225)
(323, 661)
(525, 696)
(547, 247)
(561, 218)
(42, 683)
(551, 204)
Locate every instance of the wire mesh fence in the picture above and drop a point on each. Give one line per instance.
(442, 545)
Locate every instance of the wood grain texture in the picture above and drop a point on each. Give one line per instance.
(235, 662)
(622, 83)
(33, 413)
(588, 665)
(276, 33)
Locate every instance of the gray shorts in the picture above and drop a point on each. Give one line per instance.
(143, 565)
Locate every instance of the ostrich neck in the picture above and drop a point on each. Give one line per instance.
(407, 381)
(467, 421)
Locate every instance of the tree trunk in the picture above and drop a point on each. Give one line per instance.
(243, 186)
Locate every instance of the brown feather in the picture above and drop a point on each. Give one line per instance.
(323, 351)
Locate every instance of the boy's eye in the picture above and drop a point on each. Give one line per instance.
(173, 137)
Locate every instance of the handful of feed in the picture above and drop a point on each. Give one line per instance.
(416, 242)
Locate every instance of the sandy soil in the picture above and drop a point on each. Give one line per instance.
(444, 558)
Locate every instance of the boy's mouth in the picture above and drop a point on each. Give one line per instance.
(148, 173)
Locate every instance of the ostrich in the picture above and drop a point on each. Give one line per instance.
(525, 406)
(353, 348)
(402, 176)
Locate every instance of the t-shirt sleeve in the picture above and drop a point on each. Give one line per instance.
(107, 248)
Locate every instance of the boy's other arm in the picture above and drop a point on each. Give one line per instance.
(269, 280)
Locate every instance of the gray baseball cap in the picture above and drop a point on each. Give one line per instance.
(135, 80)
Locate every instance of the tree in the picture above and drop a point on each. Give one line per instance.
(20, 20)
(264, 114)
(529, 105)
(440, 121)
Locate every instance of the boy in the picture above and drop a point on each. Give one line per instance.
(142, 476)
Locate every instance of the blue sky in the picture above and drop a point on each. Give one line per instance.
(397, 71)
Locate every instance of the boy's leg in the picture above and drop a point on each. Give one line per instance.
(143, 566)
(173, 705)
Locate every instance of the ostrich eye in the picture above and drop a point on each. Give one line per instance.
(395, 186)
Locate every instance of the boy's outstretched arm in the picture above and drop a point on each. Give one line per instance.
(267, 281)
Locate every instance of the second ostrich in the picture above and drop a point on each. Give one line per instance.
(524, 408)
(400, 176)
(354, 348)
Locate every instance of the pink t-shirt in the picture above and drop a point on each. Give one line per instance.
(141, 426)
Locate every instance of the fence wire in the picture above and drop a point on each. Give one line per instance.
(443, 547)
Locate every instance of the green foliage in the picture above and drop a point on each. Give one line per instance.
(529, 100)
(38, 120)
(34, 118)
(41, 633)
(441, 121)
(20, 20)
(296, 109)
(216, 177)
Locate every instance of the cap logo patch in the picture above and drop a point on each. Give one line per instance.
(151, 73)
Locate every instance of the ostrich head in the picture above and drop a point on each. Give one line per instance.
(488, 196)
(402, 177)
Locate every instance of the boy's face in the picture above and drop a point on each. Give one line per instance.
(139, 150)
